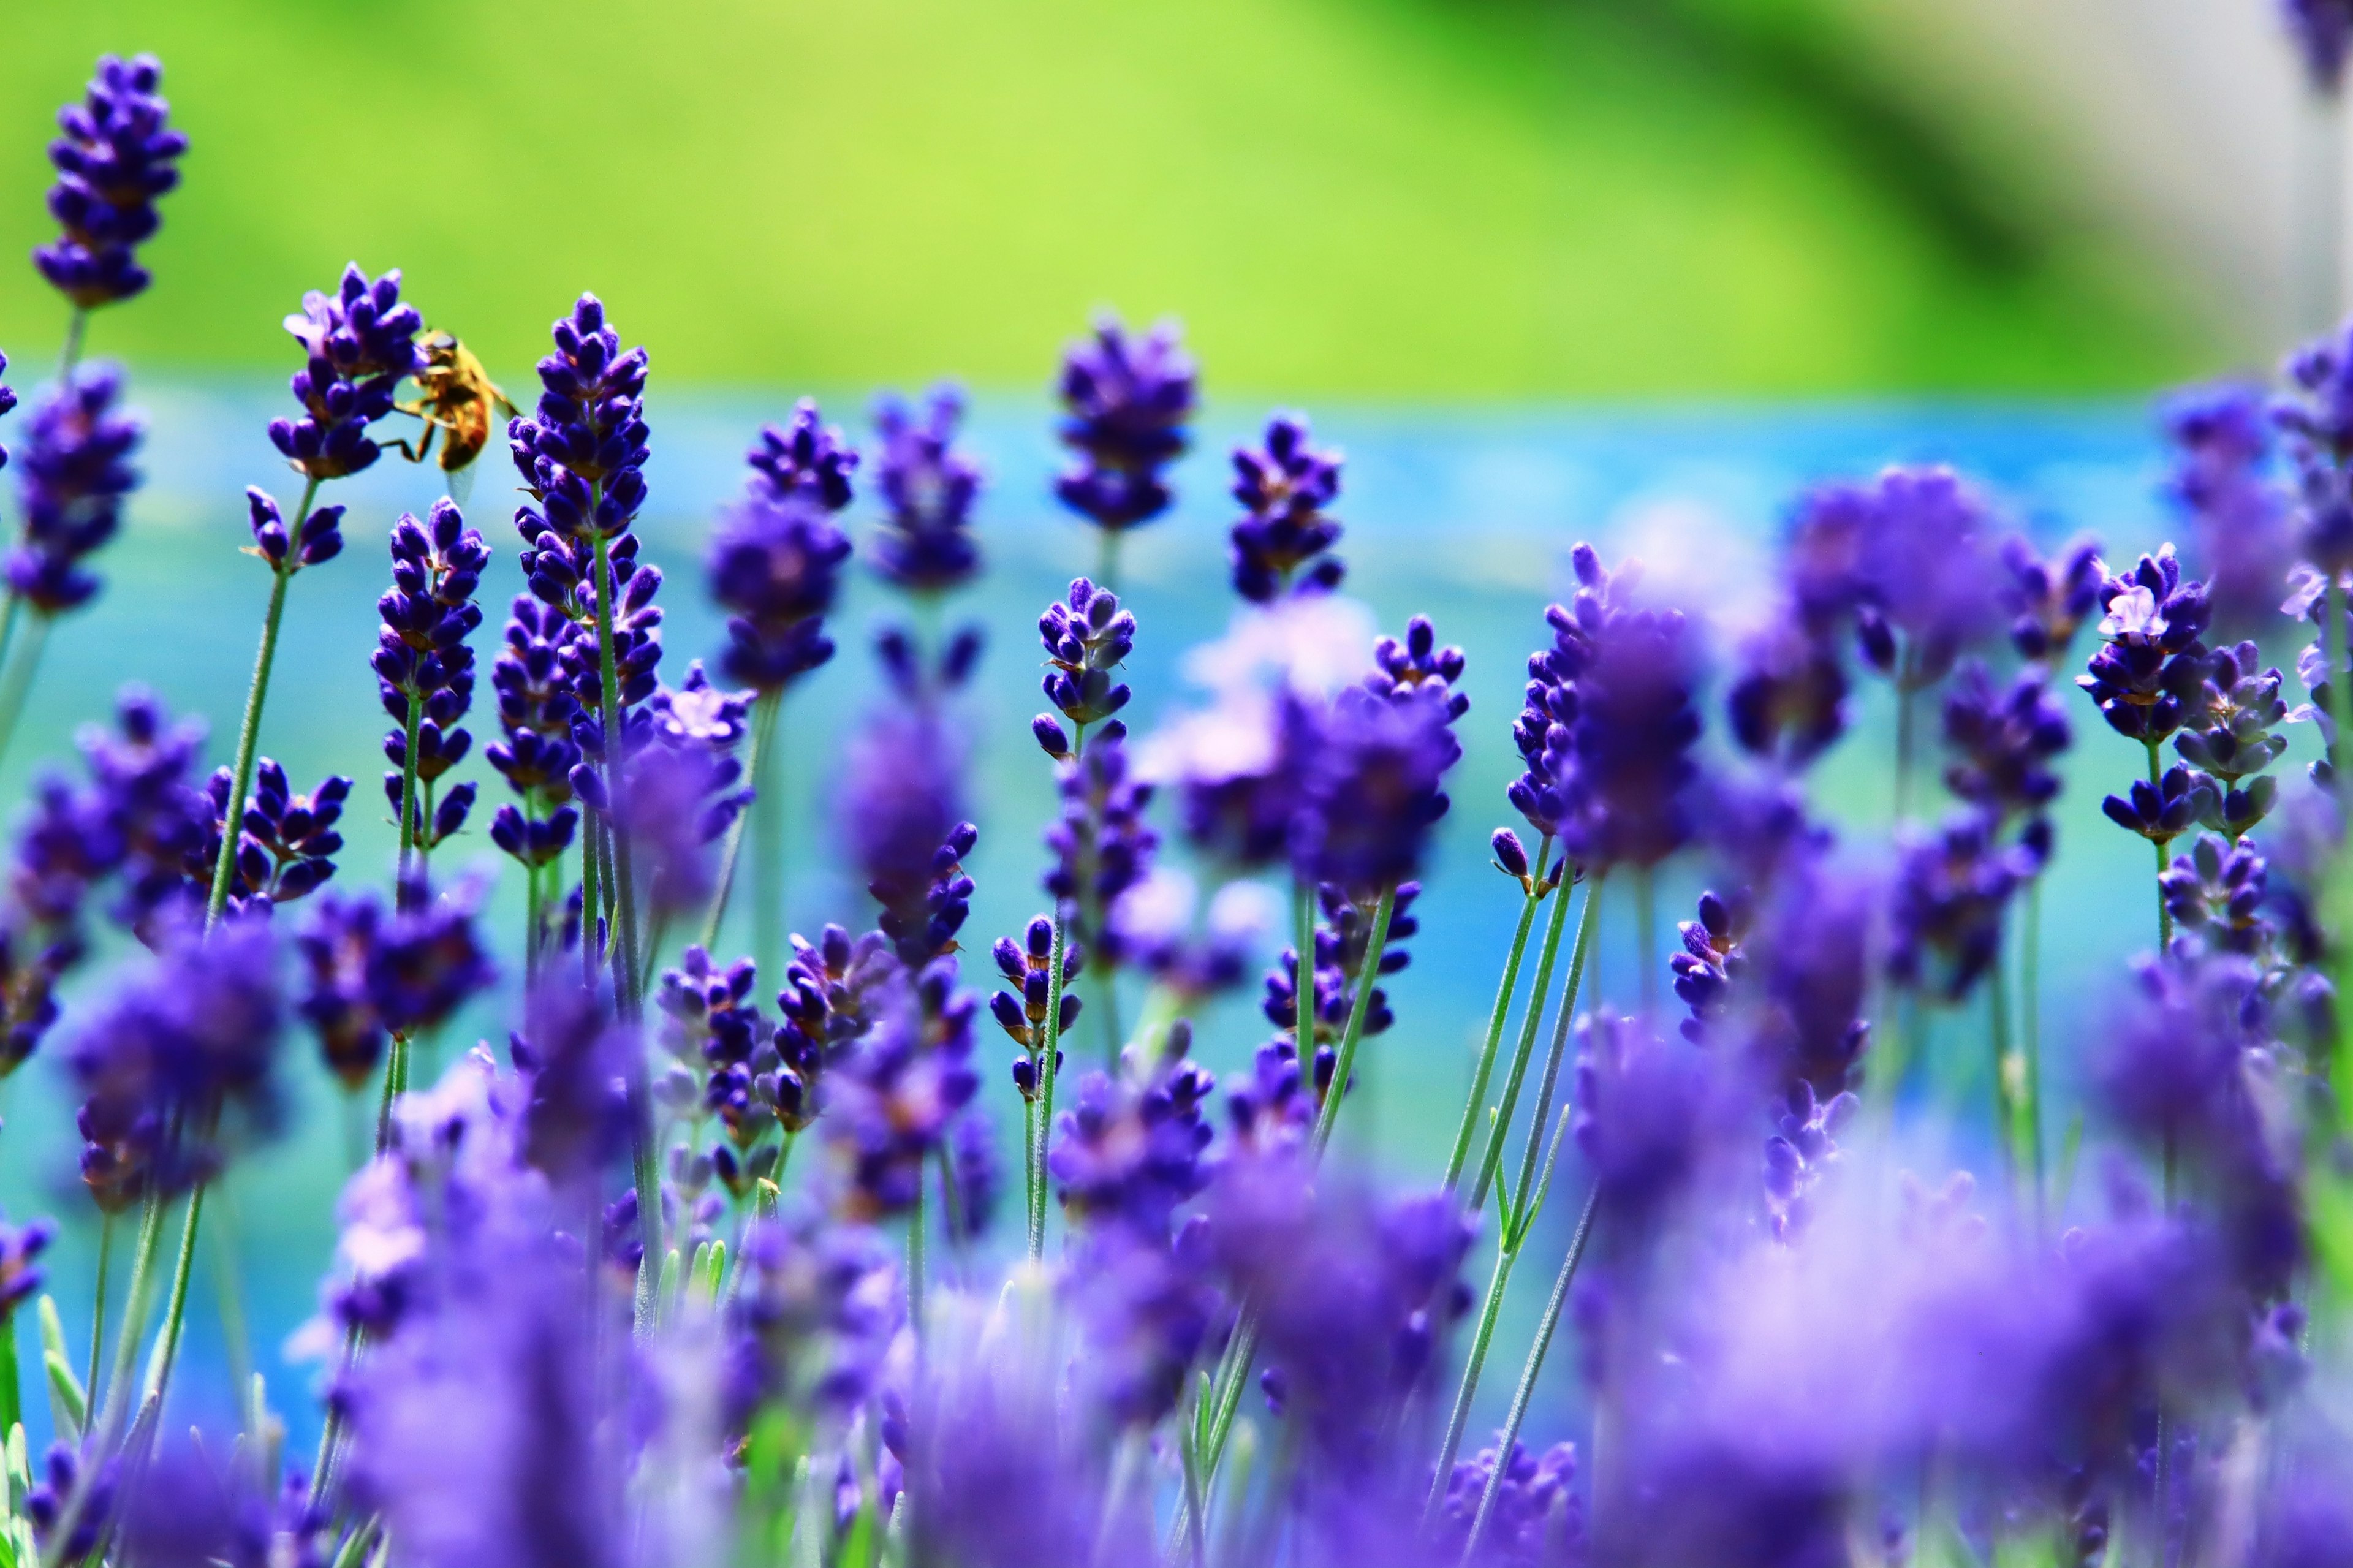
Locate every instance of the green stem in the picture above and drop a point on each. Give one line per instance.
(2340, 701)
(70, 356)
(1030, 1169)
(2005, 1109)
(159, 1375)
(1107, 557)
(107, 1425)
(624, 892)
(2164, 914)
(98, 1314)
(1341, 1069)
(2030, 1000)
(1525, 1050)
(1508, 1248)
(408, 782)
(396, 1083)
(1303, 975)
(1048, 1054)
(915, 1258)
(1105, 991)
(230, 1296)
(1586, 923)
(757, 766)
(18, 683)
(1526, 1390)
(1496, 1017)
(11, 1390)
(250, 730)
(589, 946)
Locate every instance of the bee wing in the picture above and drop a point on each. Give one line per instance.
(460, 484)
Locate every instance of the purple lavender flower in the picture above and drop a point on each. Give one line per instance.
(1403, 667)
(73, 470)
(928, 487)
(1538, 1516)
(2051, 599)
(775, 563)
(892, 1101)
(1351, 1295)
(1028, 967)
(1549, 705)
(1147, 1310)
(1126, 401)
(361, 340)
(1240, 770)
(2166, 810)
(536, 756)
(1910, 558)
(1101, 844)
(47, 1500)
(2321, 31)
(1952, 885)
(1628, 789)
(808, 459)
(20, 1271)
(1343, 943)
(425, 671)
(1375, 790)
(1087, 636)
(1152, 926)
(2149, 664)
(175, 1071)
(2003, 741)
(116, 157)
(315, 538)
(1130, 1150)
(575, 1056)
(2217, 892)
(2318, 419)
(810, 1327)
(1789, 703)
(371, 973)
(1645, 1119)
(582, 452)
(1275, 1108)
(2221, 440)
(833, 988)
(285, 841)
(2228, 736)
(902, 807)
(681, 789)
(1280, 547)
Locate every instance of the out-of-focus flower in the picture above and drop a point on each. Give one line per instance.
(1126, 400)
(808, 459)
(73, 470)
(928, 488)
(116, 156)
(1280, 547)
(2221, 437)
(2051, 599)
(2004, 740)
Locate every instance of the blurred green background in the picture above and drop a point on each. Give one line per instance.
(1429, 198)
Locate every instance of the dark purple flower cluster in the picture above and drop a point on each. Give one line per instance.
(1644, 1118)
(1131, 1150)
(582, 451)
(813, 1321)
(1087, 637)
(1101, 842)
(2217, 892)
(776, 566)
(21, 1274)
(832, 989)
(2003, 742)
(905, 832)
(1343, 943)
(2149, 665)
(2230, 736)
(1779, 978)
(928, 488)
(892, 1101)
(1538, 1517)
(680, 789)
(176, 1070)
(726, 1064)
(2050, 600)
(116, 156)
(2323, 33)
(1952, 885)
(808, 457)
(1126, 401)
(1548, 704)
(1401, 669)
(1375, 789)
(424, 670)
(72, 471)
(1027, 966)
(1627, 786)
(370, 972)
(2221, 437)
(537, 703)
(1280, 547)
(361, 340)
(1910, 560)
(286, 842)
(315, 538)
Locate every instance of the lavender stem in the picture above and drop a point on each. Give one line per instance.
(250, 730)
(1493, 1160)
(1330, 1113)
(758, 768)
(18, 684)
(1497, 1017)
(1526, 1390)
(98, 1315)
(1047, 1057)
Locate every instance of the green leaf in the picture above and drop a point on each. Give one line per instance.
(67, 1404)
(53, 1333)
(711, 1273)
(666, 1288)
(765, 1198)
(355, 1545)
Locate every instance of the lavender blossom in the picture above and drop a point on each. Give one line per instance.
(1130, 1150)
(2051, 599)
(2149, 664)
(1375, 790)
(21, 1274)
(833, 990)
(807, 459)
(373, 973)
(536, 706)
(2221, 440)
(361, 340)
(1910, 558)
(775, 564)
(425, 671)
(814, 1320)
(2217, 893)
(175, 1072)
(2004, 740)
(73, 472)
(1403, 667)
(285, 841)
(2229, 736)
(1126, 401)
(892, 1101)
(1028, 967)
(316, 538)
(1101, 844)
(928, 487)
(1789, 701)
(903, 808)
(1627, 792)
(1087, 636)
(1280, 547)
(1951, 888)
(116, 156)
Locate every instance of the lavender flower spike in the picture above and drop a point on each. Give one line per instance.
(116, 156)
(1280, 546)
(1126, 401)
(72, 473)
(425, 671)
(928, 487)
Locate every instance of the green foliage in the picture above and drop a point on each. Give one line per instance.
(1384, 196)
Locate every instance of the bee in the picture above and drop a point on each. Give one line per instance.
(459, 400)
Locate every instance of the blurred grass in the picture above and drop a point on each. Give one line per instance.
(1451, 198)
